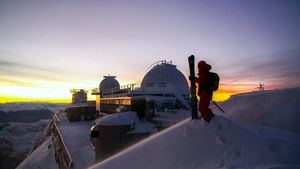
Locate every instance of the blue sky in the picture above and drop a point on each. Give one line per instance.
(51, 46)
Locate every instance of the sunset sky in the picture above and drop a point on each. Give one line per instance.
(48, 47)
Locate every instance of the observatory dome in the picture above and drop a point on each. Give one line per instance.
(165, 73)
(108, 82)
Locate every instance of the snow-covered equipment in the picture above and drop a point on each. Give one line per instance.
(193, 98)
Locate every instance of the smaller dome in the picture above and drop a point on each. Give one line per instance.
(108, 82)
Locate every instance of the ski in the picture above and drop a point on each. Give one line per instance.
(192, 78)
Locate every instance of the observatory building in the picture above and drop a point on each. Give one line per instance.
(163, 85)
(109, 83)
(166, 73)
(157, 102)
(164, 79)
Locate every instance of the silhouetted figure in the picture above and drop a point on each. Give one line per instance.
(207, 83)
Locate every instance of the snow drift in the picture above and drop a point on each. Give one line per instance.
(221, 144)
(276, 108)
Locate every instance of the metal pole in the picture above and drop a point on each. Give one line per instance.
(218, 106)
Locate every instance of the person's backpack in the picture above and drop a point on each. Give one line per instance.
(213, 81)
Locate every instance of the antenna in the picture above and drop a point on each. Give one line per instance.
(261, 87)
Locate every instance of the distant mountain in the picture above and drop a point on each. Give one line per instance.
(20, 124)
(16, 106)
(26, 116)
(28, 112)
(16, 139)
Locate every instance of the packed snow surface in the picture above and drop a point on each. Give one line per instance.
(42, 157)
(76, 136)
(276, 108)
(118, 118)
(223, 143)
(127, 118)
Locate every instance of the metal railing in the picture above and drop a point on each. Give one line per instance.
(62, 153)
(121, 91)
(158, 63)
(95, 91)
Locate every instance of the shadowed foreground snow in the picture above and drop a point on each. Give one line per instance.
(221, 144)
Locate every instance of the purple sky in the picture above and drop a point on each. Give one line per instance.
(77, 42)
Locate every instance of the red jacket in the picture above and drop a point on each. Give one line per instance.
(202, 80)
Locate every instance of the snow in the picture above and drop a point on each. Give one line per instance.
(21, 136)
(127, 118)
(123, 118)
(76, 137)
(237, 140)
(172, 115)
(221, 144)
(42, 157)
(276, 108)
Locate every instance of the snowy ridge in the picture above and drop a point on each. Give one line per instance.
(276, 108)
(42, 157)
(221, 144)
(16, 140)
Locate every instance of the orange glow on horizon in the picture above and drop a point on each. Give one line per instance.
(220, 95)
(60, 93)
(9, 99)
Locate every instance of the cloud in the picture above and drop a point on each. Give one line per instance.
(279, 69)
(20, 70)
(9, 81)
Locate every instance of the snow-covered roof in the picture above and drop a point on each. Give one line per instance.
(221, 144)
(127, 118)
(124, 118)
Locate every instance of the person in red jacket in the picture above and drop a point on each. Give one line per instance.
(203, 92)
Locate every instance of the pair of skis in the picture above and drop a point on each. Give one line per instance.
(194, 100)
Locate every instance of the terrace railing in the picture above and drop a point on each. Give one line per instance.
(62, 153)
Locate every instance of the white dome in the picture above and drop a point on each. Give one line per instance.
(108, 82)
(166, 73)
